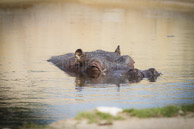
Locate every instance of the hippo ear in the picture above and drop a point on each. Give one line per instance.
(118, 50)
(79, 55)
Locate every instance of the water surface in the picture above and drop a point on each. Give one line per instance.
(34, 90)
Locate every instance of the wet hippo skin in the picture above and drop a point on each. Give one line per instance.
(102, 66)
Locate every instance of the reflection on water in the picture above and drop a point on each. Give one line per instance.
(31, 89)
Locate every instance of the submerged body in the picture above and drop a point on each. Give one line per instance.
(102, 65)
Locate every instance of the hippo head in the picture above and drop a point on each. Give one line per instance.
(95, 63)
(102, 64)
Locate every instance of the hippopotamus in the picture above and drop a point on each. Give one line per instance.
(102, 66)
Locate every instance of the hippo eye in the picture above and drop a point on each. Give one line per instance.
(93, 67)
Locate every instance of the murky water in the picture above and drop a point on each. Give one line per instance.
(34, 90)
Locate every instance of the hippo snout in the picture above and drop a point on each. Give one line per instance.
(151, 72)
(134, 74)
(154, 72)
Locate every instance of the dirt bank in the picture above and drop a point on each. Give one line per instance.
(132, 123)
(169, 117)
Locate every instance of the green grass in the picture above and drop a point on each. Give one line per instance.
(188, 108)
(96, 117)
(168, 111)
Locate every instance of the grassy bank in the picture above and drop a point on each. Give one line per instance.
(85, 119)
(168, 111)
(96, 117)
